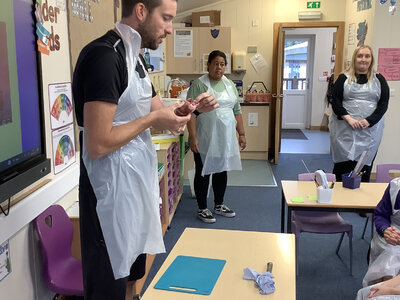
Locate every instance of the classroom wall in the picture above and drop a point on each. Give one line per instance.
(355, 17)
(387, 36)
(240, 14)
(25, 279)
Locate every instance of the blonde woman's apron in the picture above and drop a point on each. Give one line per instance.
(216, 132)
(360, 101)
(125, 182)
(385, 258)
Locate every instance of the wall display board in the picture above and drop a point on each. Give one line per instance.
(88, 20)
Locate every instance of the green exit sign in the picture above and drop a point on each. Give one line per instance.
(314, 4)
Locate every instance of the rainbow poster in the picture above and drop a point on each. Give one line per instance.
(61, 108)
(63, 148)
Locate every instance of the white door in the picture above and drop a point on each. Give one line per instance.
(296, 81)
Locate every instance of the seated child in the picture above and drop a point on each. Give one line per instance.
(385, 250)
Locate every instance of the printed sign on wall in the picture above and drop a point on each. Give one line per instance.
(63, 148)
(61, 109)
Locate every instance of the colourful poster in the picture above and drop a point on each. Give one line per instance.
(364, 4)
(61, 109)
(389, 63)
(5, 261)
(63, 148)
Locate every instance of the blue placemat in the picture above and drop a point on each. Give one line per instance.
(189, 274)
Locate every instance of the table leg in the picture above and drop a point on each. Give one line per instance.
(283, 213)
(289, 220)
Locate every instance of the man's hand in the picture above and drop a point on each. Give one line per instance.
(165, 118)
(206, 102)
(392, 236)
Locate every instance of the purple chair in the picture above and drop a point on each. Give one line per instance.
(321, 222)
(383, 176)
(61, 271)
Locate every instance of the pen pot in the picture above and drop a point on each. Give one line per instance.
(351, 182)
(324, 195)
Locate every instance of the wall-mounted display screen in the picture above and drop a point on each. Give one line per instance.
(22, 148)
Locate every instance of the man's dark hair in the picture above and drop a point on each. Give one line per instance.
(216, 53)
(127, 6)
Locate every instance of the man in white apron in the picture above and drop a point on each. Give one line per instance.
(115, 107)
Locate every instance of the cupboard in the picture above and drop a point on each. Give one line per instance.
(187, 48)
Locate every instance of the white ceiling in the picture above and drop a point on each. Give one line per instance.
(185, 5)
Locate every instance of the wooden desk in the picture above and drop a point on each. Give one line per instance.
(363, 199)
(240, 249)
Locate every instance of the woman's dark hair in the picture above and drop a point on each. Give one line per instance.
(214, 54)
(127, 6)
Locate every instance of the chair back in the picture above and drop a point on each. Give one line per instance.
(55, 235)
(310, 177)
(383, 172)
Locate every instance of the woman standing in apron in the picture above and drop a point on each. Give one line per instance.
(212, 137)
(360, 99)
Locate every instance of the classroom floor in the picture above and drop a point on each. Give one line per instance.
(317, 143)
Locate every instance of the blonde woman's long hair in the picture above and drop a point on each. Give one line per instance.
(351, 70)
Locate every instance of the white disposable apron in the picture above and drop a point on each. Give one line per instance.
(364, 292)
(125, 182)
(360, 101)
(216, 132)
(385, 258)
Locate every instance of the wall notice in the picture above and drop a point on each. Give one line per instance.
(389, 63)
(183, 43)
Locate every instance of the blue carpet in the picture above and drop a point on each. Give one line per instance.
(322, 274)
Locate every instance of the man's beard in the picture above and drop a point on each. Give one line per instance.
(145, 31)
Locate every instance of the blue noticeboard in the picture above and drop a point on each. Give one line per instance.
(188, 274)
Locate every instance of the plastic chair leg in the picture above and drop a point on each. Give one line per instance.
(340, 243)
(351, 255)
(365, 227)
(297, 261)
(372, 228)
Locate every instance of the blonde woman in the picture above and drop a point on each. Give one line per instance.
(360, 99)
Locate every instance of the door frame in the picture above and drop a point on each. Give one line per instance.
(275, 115)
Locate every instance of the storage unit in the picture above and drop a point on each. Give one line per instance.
(169, 155)
(206, 18)
(187, 49)
(256, 125)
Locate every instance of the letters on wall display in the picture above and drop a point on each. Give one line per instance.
(47, 13)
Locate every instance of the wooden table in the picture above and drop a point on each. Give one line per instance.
(240, 249)
(364, 199)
